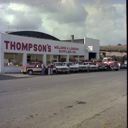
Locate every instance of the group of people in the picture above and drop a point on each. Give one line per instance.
(47, 69)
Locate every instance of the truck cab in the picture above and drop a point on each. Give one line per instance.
(32, 68)
(60, 67)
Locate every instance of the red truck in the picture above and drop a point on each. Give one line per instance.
(111, 64)
(34, 67)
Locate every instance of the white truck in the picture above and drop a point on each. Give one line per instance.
(91, 66)
(83, 67)
(72, 66)
(32, 68)
(60, 67)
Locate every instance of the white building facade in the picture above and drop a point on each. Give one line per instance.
(93, 47)
(16, 51)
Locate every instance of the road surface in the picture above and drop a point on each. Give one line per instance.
(83, 100)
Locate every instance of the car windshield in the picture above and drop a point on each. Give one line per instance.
(80, 63)
(85, 63)
(33, 63)
(70, 63)
(92, 63)
(59, 64)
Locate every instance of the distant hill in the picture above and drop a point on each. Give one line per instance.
(114, 48)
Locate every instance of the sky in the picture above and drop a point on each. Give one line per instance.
(99, 19)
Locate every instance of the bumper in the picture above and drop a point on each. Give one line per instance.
(62, 70)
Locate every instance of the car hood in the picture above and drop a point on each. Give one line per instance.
(74, 66)
(61, 67)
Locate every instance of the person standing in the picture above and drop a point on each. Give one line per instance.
(50, 69)
(43, 69)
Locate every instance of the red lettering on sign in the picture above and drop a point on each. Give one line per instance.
(18, 46)
(21, 46)
(30, 46)
(44, 48)
(49, 48)
(6, 42)
(24, 46)
(35, 47)
(39, 48)
(12, 45)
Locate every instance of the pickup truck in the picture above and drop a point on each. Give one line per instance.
(101, 66)
(72, 66)
(111, 64)
(83, 66)
(60, 67)
(31, 68)
(91, 66)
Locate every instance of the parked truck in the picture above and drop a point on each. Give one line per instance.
(111, 64)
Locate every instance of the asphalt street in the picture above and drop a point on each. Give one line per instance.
(82, 100)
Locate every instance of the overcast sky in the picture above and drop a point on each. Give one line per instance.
(99, 19)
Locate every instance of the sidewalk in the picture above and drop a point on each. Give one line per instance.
(9, 76)
(16, 75)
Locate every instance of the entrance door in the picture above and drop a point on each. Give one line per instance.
(28, 58)
(92, 55)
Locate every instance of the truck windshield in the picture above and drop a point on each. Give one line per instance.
(59, 64)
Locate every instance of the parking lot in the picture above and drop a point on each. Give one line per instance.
(79, 100)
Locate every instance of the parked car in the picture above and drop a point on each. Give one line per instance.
(73, 67)
(31, 68)
(123, 66)
(91, 66)
(112, 65)
(60, 67)
(101, 66)
(83, 66)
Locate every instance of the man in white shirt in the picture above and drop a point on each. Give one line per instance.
(43, 69)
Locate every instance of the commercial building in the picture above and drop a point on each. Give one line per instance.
(92, 46)
(119, 50)
(20, 48)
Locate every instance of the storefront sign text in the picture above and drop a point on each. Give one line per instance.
(27, 46)
(64, 49)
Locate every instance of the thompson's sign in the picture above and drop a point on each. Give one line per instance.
(31, 45)
(10, 45)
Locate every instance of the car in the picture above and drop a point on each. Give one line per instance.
(91, 66)
(101, 66)
(73, 67)
(83, 66)
(32, 68)
(60, 67)
(112, 65)
(123, 66)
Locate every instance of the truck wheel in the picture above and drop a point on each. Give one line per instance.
(109, 68)
(68, 72)
(30, 72)
(88, 70)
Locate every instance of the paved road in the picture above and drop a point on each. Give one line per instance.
(86, 100)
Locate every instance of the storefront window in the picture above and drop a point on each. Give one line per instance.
(13, 59)
(55, 58)
(62, 58)
(73, 58)
(48, 59)
(81, 58)
(34, 58)
(52, 58)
